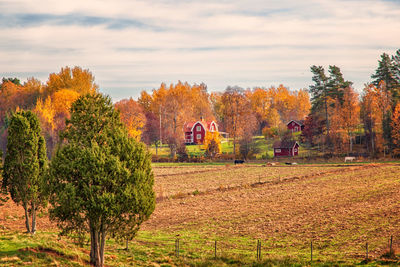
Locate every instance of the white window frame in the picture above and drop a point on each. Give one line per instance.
(278, 150)
(198, 136)
(198, 128)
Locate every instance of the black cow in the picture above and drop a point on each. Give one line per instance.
(239, 161)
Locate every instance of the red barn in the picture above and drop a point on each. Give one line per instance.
(286, 148)
(295, 126)
(196, 131)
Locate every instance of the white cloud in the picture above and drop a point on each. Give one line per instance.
(134, 45)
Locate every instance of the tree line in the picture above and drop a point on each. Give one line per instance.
(339, 115)
(335, 115)
(157, 117)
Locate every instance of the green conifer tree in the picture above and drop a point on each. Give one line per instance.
(102, 179)
(385, 73)
(25, 164)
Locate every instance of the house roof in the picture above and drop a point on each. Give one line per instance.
(298, 122)
(285, 144)
(189, 126)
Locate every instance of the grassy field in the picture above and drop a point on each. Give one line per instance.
(264, 149)
(338, 207)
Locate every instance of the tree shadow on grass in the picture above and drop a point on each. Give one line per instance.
(39, 256)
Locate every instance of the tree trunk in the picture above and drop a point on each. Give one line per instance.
(33, 214)
(103, 244)
(95, 247)
(127, 245)
(372, 143)
(351, 142)
(234, 146)
(28, 229)
(91, 245)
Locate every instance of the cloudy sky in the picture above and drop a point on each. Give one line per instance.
(132, 45)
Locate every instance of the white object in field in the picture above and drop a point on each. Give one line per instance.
(346, 159)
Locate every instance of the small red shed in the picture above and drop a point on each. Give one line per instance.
(286, 148)
(295, 126)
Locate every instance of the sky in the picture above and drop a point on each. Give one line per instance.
(132, 45)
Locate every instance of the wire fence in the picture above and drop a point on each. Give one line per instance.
(259, 249)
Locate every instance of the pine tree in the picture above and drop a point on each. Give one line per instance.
(25, 164)
(319, 97)
(336, 83)
(385, 72)
(102, 178)
(396, 72)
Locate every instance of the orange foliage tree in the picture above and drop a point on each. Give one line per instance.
(172, 107)
(132, 115)
(395, 124)
(350, 113)
(76, 79)
(60, 91)
(274, 107)
(375, 103)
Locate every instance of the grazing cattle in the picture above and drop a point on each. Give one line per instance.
(239, 161)
(346, 159)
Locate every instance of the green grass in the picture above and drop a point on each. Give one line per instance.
(195, 150)
(162, 151)
(264, 148)
(158, 249)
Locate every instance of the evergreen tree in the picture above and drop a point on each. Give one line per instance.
(25, 164)
(102, 178)
(385, 72)
(15, 81)
(319, 96)
(396, 67)
(336, 83)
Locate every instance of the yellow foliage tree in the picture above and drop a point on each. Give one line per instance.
(395, 124)
(76, 79)
(212, 143)
(132, 116)
(375, 103)
(45, 112)
(63, 99)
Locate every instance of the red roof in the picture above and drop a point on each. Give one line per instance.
(298, 122)
(188, 126)
(285, 144)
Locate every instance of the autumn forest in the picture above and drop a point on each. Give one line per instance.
(335, 115)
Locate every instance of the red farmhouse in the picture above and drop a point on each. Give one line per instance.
(295, 126)
(286, 148)
(196, 131)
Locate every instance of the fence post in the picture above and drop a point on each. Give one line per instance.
(366, 248)
(259, 251)
(311, 251)
(391, 242)
(215, 249)
(177, 247)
